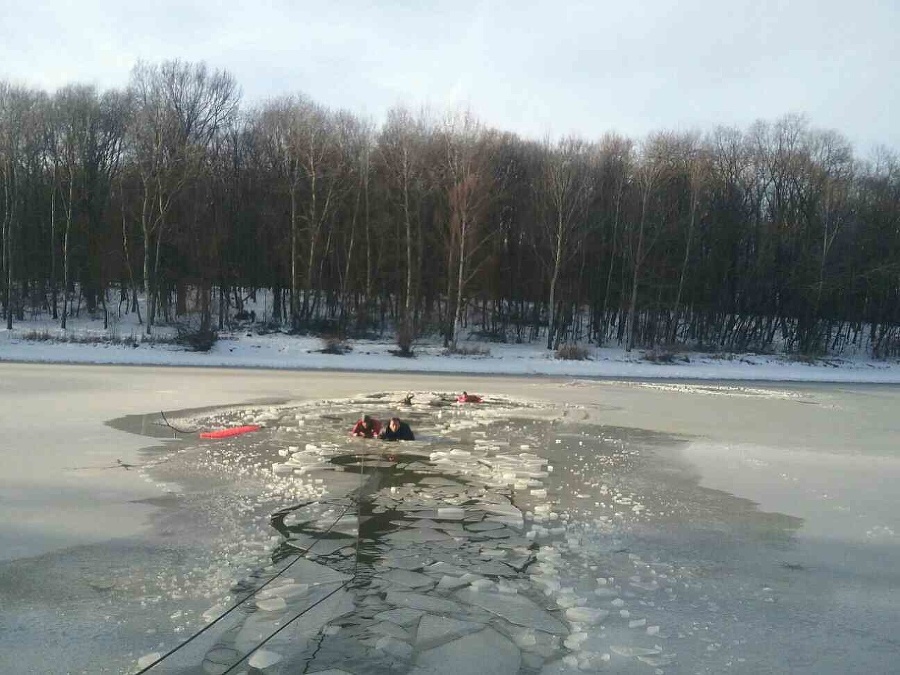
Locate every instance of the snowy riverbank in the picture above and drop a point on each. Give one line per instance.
(87, 343)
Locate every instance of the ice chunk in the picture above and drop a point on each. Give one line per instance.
(493, 553)
(391, 629)
(435, 630)
(214, 612)
(586, 614)
(403, 616)
(606, 592)
(313, 573)
(147, 659)
(516, 609)
(263, 658)
(448, 584)
(486, 652)
(417, 535)
(624, 650)
(219, 660)
(409, 579)
(450, 513)
(290, 590)
(275, 604)
(394, 647)
(419, 601)
(657, 660)
(484, 526)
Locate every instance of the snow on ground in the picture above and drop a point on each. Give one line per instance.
(42, 341)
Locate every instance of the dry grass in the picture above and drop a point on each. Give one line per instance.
(572, 353)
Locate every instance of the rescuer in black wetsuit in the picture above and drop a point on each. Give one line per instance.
(397, 430)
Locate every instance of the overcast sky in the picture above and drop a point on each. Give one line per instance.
(533, 67)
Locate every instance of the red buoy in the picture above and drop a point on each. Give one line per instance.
(233, 431)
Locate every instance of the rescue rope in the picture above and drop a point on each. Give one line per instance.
(254, 592)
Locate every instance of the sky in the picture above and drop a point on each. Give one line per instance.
(534, 67)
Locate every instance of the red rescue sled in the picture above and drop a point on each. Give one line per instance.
(233, 431)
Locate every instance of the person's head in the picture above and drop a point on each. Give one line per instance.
(367, 421)
(394, 423)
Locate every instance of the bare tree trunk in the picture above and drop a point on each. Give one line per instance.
(460, 282)
(369, 262)
(348, 267)
(407, 218)
(147, 230)
(295, 281)
(636, 275)
(65, 312)
(684, 263)
(53, 287)
(8, 235)
(554, 279)
(128, 264)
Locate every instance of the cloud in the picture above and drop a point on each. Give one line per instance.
(527, 66)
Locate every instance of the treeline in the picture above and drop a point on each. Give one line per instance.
(736, 239)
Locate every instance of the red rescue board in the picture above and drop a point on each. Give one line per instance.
(233, 431)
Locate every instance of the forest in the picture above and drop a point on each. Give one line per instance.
(772, 237)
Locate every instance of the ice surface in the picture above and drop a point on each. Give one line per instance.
(594, 543)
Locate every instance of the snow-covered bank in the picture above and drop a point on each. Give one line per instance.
(248, 349)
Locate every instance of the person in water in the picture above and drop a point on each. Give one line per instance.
(367, 427)
(466, 397)
(397, 430)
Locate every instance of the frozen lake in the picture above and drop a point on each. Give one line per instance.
(561, 526)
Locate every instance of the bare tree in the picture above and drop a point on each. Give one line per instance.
(358, 143)
(617, 167)
(692, 161)
(471, 180)
(642, 235)
(21, 143)
(87, 134)
(564, 190)
(402, 147)
(179, 107)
